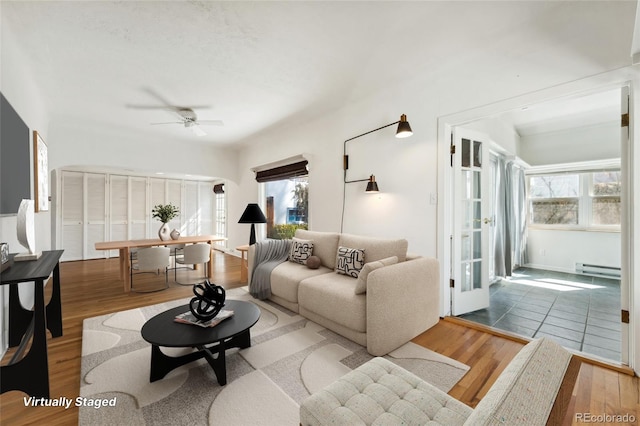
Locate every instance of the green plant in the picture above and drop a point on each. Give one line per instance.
(301, 198)
(164, 213)
(285, 231)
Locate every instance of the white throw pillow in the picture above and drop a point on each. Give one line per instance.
(361, 285)
(349, 261)
(300, 250)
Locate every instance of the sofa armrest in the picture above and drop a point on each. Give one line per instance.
(402, 302)
(535, 388)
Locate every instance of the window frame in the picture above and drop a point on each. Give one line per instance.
(585, 202)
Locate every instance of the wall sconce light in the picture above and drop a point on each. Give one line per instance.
(403, 131)
(372, 185)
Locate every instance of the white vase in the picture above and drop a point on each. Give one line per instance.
(164, 233)
(175, 234)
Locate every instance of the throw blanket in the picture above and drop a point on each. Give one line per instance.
(268, 255)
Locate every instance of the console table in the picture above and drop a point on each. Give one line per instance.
(30, 373)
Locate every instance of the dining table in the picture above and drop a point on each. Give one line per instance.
(124, 248)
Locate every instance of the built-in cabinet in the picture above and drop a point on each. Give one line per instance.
(107, 207)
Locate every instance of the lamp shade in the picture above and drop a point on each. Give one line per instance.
(404, 129)
(372, 185)
(252, 214)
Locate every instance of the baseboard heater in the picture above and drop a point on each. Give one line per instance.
(598, 270)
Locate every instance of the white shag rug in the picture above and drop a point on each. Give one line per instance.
(290, 358)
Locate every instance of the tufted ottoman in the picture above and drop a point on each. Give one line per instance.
(534, 389)
(380, 392)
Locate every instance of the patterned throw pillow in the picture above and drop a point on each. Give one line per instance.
(300, 250)
(349, 261)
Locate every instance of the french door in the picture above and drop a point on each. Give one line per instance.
(471, 222)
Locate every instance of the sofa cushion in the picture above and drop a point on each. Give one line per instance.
(361, 284)
(349, 261)
(332, 296)
(376, 248)
(300, 250)
(325, 245)
(286, 276)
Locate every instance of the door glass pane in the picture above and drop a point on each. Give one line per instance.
(465, 276)
(477, 274)
(477, 193)
(477, 154)
(466, 247)
(477, 244)
(466, 153)
(466, 184)
(466, 215)
(477, 214)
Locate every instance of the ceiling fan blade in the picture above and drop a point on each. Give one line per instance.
(198, 131)
(131, 106)
(169, 122)
(211, 122)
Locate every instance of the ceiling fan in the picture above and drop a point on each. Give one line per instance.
(189, 119)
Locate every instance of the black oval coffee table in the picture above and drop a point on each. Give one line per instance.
(211, 342)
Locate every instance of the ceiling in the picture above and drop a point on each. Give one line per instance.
(255, 65)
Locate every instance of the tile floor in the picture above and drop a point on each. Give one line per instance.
(578, 311)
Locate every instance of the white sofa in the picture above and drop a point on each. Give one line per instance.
(401, 300)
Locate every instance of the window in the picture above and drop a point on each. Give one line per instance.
(287, 206)
(221, 210)
(286, 189)
(575, 200)
(554, 199)
(605, 194)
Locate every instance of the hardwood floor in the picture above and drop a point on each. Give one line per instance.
(92, 288)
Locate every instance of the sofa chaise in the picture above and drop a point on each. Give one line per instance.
(394, 298)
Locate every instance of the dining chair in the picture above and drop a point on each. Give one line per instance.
(151, 259)
(193, 254)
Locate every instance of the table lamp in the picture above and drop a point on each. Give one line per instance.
(252, 214)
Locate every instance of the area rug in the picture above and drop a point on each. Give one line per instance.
(290, 358)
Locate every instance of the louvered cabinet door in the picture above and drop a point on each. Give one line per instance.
(72, 215)
(206, 199)
(138, 211)
(96, 214)
(191, 216)
(118, 209)
(174, 196)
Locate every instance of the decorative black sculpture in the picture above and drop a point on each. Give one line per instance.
(208, 301)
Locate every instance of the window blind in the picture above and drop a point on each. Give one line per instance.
(283, 172)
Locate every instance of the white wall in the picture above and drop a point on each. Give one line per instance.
(561, 250)
(587, 143)
(19, 87)
(503, 134)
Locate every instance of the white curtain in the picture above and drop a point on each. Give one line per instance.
(510, 226)
(518, 214)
